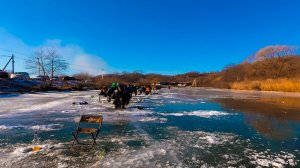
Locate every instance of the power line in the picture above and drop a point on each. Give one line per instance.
(5, 56)
(27, 55)
(22, 58)
(12, 51)
(8, 56)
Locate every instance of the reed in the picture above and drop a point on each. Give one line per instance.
(285, 85)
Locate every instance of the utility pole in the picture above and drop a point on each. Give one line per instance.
(12, 58)
(13, 63)
(102, 72)
(39, 67)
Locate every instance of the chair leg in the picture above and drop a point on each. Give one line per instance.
(94, 139)
(75, 138)
(97, 133)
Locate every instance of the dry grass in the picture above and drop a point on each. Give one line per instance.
(285, 85)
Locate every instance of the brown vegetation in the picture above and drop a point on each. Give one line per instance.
(286, 85)
(273, 68)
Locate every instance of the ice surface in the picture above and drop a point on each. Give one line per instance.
(131, 137)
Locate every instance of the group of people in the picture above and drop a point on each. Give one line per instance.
(121, 94)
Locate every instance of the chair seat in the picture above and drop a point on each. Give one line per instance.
(87, 130)
(95, 120)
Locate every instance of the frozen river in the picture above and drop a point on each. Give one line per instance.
(177, 128)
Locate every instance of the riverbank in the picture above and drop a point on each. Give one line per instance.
(285, 87)
(20, 86)
(281, 85)
(254, 92)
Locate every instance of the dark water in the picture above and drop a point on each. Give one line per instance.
(177, 128)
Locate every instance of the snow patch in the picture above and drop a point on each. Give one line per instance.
(153, 119)
(199, 113)
(50, 127)
(267, 159)
(9, 127)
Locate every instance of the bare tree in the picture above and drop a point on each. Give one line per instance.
(250, 59)
(46, 63)
(55, 63)
(36, 63)
(276, 51)
(274, 59)
(232, 72)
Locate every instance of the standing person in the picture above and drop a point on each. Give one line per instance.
(148, 90)
(118, 96)
(135, 90)
(110, 91)
(103, 92)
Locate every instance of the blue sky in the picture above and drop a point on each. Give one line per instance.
(159, 36)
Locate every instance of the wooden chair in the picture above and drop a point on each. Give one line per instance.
(90, 120)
